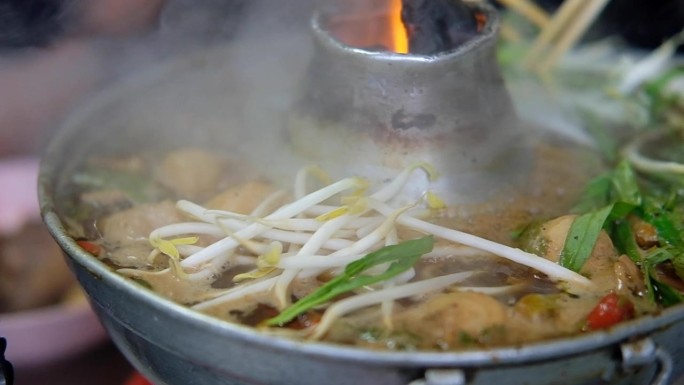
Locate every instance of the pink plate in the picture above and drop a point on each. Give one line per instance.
(50, 333)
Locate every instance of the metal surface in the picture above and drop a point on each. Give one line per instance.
(442, 377)
(176, 346)
(646, 353)
(376, 112)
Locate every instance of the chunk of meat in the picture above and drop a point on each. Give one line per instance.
(629, 277)
(136, 223)
(126, 232)
(446, 320)
(242, 198)
(191, 173)
(540, 316)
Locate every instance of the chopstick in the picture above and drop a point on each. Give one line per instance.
(567, 26)
(529, 10)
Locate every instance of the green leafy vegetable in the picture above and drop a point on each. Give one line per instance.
(665, 294)
(618, 186)
(606, 142)
(625, 185)
(657, 91)
(607, 203)
(648, 184)
(678, 264)
(658, 291)
(582, 237)
(137, 187)
(664, 222)
(608, 199)
(625, 241)
(401, 257)
(596, 194)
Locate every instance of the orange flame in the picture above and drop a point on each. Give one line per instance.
(397, 28)
(378, 26)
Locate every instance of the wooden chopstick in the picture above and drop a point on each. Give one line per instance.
(570, 36)
(531, 11)
(567, 26)
(559, 21)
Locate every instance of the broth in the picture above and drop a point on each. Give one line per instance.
(455, 295)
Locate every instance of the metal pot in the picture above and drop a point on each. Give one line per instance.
(171, 344)
(375, 112)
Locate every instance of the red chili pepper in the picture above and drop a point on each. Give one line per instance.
(610, 310)
(90, 247)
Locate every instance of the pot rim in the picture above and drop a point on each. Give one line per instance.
(537, 351)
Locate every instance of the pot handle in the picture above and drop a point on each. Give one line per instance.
(635, 355)
(646, 352)
(441, 377)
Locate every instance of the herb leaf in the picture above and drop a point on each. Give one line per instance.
(625, 186)
(612, 195)
(596, 194)
(617, 186)
(659, 292)
(402, 256)
(663, 221)
(664, 293)
(136, 186)
(582, 237)
(625, 241)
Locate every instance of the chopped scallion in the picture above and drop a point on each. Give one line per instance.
(401, 256)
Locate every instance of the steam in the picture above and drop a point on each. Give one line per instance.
(101, 44)
(233, 72)
(217, 74)
(213, 73)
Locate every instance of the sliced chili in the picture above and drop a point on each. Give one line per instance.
(90, 247)
(610, 310)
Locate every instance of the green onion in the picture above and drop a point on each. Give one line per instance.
(402, 257)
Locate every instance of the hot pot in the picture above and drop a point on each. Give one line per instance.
(212, 99)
